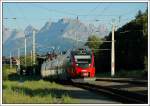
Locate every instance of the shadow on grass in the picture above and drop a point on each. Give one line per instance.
(16, 77)
(58, 93)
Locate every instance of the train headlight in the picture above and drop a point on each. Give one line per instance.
(77, 64)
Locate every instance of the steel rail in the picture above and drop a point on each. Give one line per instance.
(123, 96)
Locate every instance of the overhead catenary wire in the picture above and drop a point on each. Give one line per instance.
(101, 49)
(94, 41)
(75, 14)
(65, 12)
(57, 11)
(102, 12)
(91, 11)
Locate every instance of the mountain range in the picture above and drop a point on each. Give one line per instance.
(62, 34)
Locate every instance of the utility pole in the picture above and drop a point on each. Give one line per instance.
(18, 62)
(31, 57)
(33, 51)
(25, 51)
(113, 52)
(10, 61)
(18, 58)
(76, 34)
(76, 40)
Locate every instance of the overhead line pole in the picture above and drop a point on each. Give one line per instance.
(10, 61)
(33, 51)
(25, 51)
(33, 47)
(113, 52)
(76, 33)
(31, 57)
(76, 39)
(18, 58)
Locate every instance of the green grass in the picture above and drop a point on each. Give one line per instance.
(10, 96)
(33, 90)
(67, 99)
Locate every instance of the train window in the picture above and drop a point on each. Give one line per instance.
(83, 60)
(82, 57)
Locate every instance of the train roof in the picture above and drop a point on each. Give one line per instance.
(81, 51)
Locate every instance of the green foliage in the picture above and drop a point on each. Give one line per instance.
(35, 92)
(6, 71)
(31, 89)
(29, 60)
(93, 42)
(139, 14)
(67, 99)
(146, 63)
(131, 46)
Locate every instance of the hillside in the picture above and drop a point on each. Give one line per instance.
(61, 34)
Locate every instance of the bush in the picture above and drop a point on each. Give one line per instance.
(5, 75)
(146, 63)
(5, 72)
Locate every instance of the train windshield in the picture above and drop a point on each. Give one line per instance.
(83, 60)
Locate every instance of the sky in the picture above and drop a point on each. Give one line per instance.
(37, 14)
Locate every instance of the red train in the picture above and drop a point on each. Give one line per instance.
(81, 64)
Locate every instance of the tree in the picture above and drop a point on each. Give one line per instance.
(131, 46)
(139, 14)
(93, 42)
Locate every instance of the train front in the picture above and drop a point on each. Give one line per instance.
(82, 64)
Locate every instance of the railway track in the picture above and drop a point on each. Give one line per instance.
(124, 96)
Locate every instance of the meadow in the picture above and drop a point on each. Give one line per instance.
(31, 90)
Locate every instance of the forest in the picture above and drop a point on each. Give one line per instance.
(131, 46)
